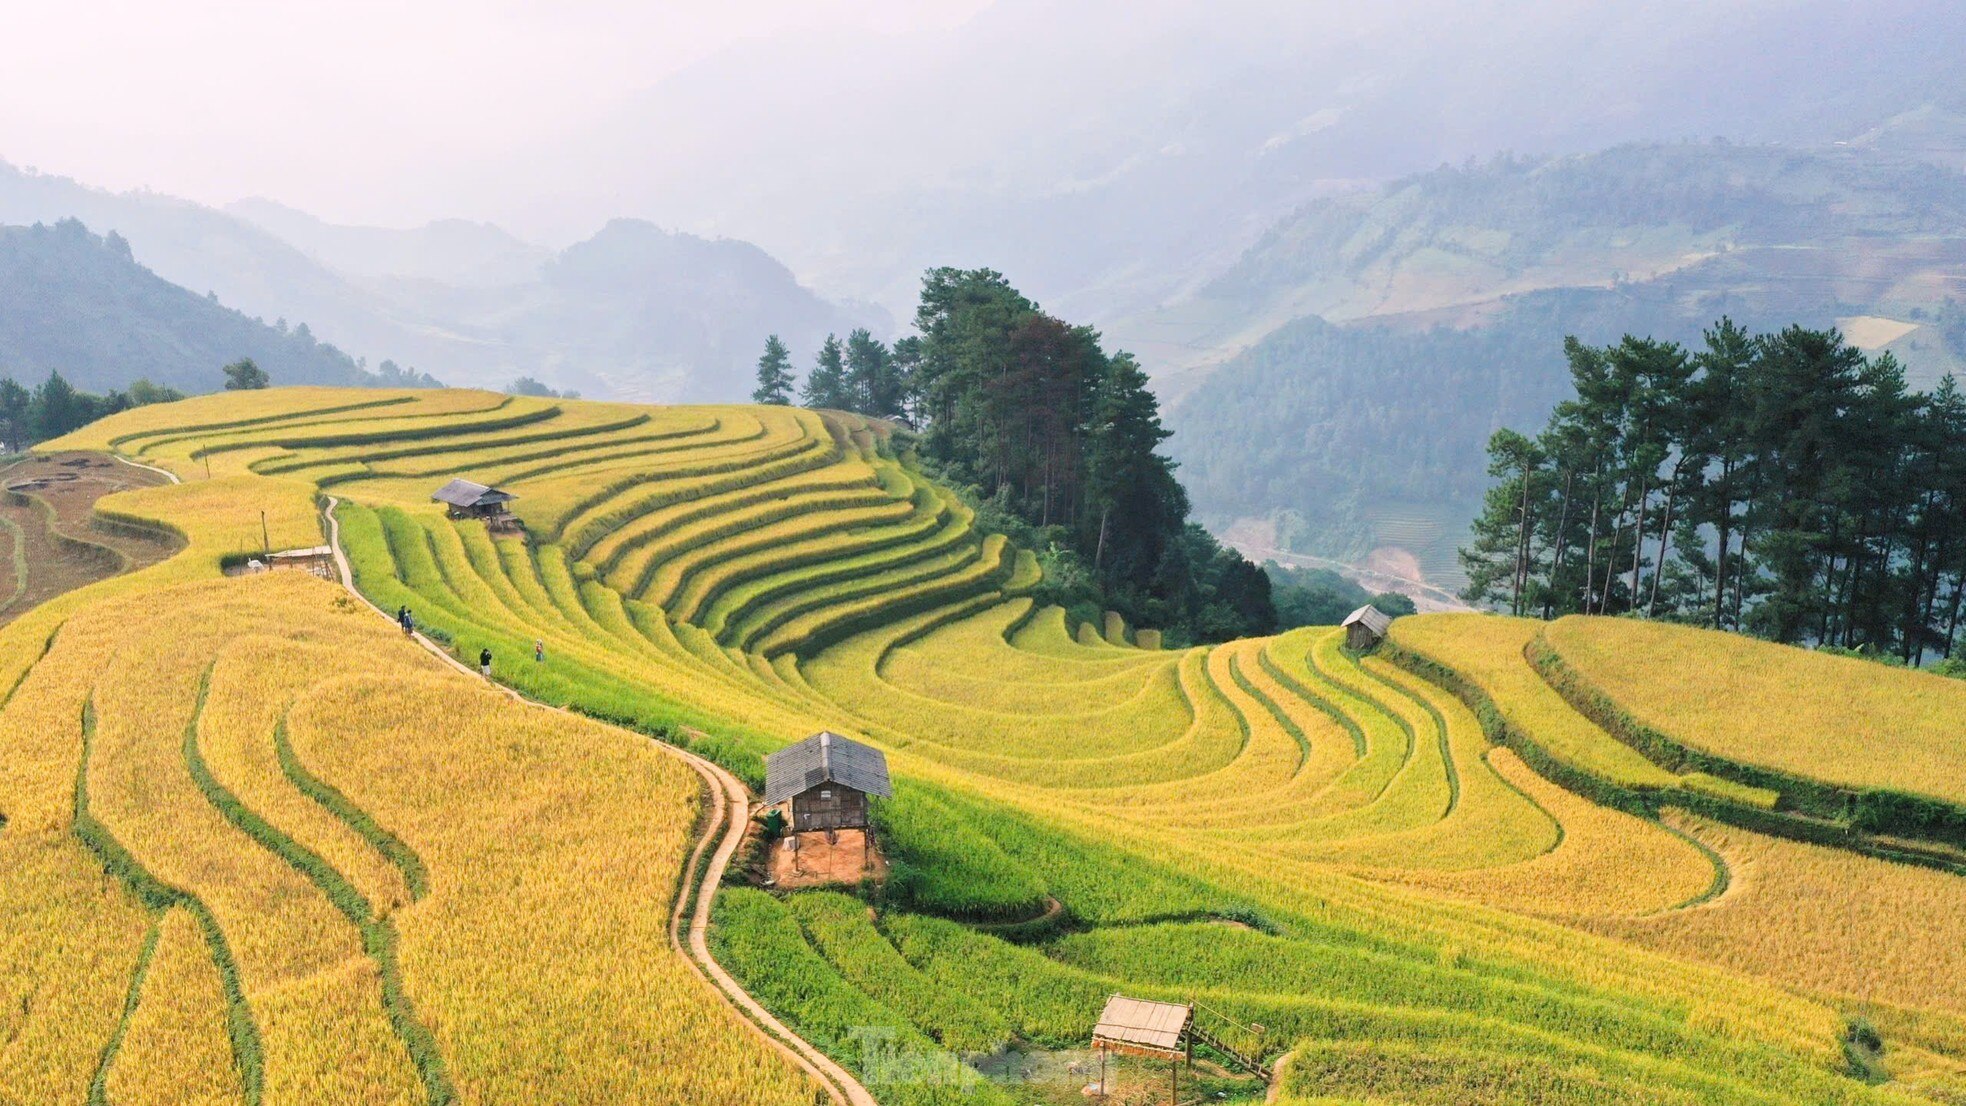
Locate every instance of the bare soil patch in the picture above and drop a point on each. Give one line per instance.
(821, 857)
(53, 541)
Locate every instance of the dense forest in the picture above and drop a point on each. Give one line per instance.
(1782, 484)
(1057, 441)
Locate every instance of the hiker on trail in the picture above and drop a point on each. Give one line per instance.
(484, 663)
(406, 620)
(538, 650)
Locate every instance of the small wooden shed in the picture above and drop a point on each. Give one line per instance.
(467, 499)
(1144, 1027)
(826, 780)
(1366, 627)
(317, 560)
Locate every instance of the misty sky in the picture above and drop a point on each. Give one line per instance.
(343, 108)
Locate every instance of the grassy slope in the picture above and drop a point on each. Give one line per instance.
(1337, 808)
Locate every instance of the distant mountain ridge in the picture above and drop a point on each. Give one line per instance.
(78, 303)
(1344, 374)
(634, 312)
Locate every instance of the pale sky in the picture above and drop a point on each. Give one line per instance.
(322, 105)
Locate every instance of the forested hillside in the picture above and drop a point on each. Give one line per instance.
(1056, 441)
(1395, 330)
(79, 304)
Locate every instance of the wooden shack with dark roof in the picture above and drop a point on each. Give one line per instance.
(826, 780)
(469, 499)
(1366, 627)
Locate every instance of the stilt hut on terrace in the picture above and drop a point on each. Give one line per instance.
(826, 779)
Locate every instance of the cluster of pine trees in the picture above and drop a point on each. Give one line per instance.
(54, 407)
(1060, 442)
(1781, 484)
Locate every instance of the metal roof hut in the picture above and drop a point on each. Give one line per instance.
(827, 780)
(1366, 627)
(468, 499)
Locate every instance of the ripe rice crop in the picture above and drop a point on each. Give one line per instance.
(1845, 721)
(272, 972)
(1327, 845)
(1487, 651)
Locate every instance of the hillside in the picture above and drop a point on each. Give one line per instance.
(631, 311)
(81, 305)
(1325, 844)
(1369, 344)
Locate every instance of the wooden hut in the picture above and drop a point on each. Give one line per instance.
(467, 499)
(826, 781)
(1366, 627)
(1143, 1027)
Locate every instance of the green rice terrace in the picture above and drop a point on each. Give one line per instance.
(1438, 872)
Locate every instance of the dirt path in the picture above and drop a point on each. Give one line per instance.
(730, 808)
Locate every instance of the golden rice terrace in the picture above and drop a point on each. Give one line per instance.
(260, 847)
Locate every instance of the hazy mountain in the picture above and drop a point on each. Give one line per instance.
(1387, 334)
(207, 250)
(1456, 238)
(78, 303)
(381, 259)
(632, 312)
(637, 312)
(1105, 154)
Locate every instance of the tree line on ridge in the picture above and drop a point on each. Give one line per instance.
(1780, 484)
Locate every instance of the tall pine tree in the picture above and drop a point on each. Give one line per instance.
(826, 385)
(774, 374)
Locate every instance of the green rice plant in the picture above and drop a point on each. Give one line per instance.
(815, 588)
(759, 940)
(609, 553)
(944, 865)
(841, 929)
(817, 624)
(707, 585)
(563, 428)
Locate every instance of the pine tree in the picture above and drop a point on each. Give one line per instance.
(774, 374)
(1499, 562)
(1135, 507)
(826, 384)
(871, 386)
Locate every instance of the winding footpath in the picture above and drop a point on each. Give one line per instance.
(730, 809)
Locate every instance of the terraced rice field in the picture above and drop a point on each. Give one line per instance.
(1326, 845)
(299, 860)
(1842, 720)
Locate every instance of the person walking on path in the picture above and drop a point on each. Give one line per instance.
(484, 663)
(538, 650)
(406, 620)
